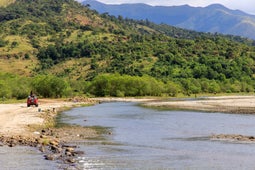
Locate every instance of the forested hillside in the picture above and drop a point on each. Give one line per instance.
(61, 48)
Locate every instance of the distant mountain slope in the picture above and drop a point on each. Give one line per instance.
(213, 18)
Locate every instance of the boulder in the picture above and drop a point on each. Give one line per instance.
(69, 149)
(68, 154)
(42, 149)
(52, 157)
(54, 143)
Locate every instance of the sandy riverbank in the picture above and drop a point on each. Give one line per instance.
(226, 104)
(32, 126)
(16, 118)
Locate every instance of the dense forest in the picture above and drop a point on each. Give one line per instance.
(76, 51)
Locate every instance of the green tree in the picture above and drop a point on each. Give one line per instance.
(51, 86)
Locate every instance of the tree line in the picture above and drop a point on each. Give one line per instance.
(50, 86)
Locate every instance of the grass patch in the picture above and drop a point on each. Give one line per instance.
(4, 3)
(23, 45)
(101, 130)
(11, 101)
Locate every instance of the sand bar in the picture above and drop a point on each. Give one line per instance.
(227, 104)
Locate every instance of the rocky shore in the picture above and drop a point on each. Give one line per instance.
(51, 147)
(56, 144)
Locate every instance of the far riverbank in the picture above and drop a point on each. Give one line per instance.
(242, 104)
(225, 104)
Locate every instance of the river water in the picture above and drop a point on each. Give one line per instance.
(145, 138)
(156, 139)
(24, 158)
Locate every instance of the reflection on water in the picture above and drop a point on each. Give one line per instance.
(150, 139)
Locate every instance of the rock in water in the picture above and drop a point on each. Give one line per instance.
(78, 153)
(42, 149)
(69, 149)
(52, 157)
(70, 160)
(54, 143)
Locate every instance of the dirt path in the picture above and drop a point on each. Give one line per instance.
(15, 118)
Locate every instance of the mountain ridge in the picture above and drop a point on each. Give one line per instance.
(104, 55)
(218, 17)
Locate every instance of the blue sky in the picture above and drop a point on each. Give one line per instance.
(247, 6)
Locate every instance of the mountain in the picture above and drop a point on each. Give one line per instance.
(213, 18)
(104, 55)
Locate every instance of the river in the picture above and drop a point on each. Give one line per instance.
(24, 158)
(144, 138)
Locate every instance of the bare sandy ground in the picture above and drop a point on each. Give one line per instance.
(228, 104)
(15, 118)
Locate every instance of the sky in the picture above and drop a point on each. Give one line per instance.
(247, 6)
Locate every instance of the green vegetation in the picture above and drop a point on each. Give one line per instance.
(121, 86)
(50, 86)
(12, 86)
(67, 49)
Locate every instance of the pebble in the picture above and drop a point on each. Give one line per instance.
(55, 143)
(68, 153)
(37, 133)
(52, 157)
(70, 160)
(42, 149)
(78, 153)
(69, 149)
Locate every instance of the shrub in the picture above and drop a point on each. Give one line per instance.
(51, 86)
